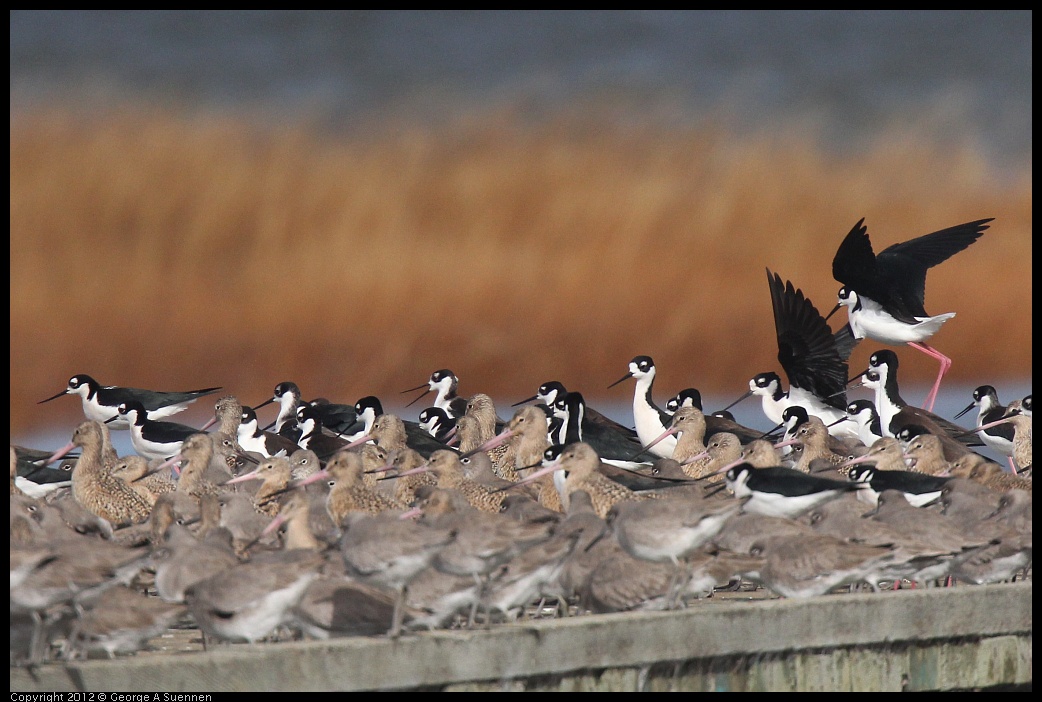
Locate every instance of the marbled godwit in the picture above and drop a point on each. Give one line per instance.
(716, 421)
(989, 473)
(885, 453)
(581, 464)
(275, 474)
(526, 433)
(134, 471)
(94, 486)
(227, 412)
(350, 492)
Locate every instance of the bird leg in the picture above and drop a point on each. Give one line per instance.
(945, 362)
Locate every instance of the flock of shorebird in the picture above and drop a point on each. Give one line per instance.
(340, 520)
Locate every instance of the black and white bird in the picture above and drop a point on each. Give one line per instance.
(777, 491)
(884, 294)
(288, 395)
(864, 415)
(614, 447)
(553, 390)
(101, 402)
(813, 358)
(445, 383)
(650, 419)
(267, 443)
(153, 438)
(895, 413)
(999, 437)
(920, 489)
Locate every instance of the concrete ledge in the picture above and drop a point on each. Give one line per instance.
(935, 639)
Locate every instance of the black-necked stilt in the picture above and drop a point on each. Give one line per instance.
(340, 419)
(153, 438)
(367, 409)
(920, 489)
(445, 383)
(287, 394)
(547, 394)
(612, 445)
(999, 437)
(252, 438)
(315, 437)
(894, 412)
(593, 420)
(884, 294)
(101, 402)
(813, 357)
(864, 415)
(777, 491)
(649, 418)
(438, 423)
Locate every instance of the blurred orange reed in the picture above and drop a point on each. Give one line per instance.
(167, 251)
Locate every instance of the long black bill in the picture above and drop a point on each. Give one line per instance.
(748, 394)
(834, 310)
(63, 392)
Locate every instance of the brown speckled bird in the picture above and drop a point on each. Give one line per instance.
(94, 486)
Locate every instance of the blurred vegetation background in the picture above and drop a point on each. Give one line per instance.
(170, 250)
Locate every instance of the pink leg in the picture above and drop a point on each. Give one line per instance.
(1012, 465)
(945, 362)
